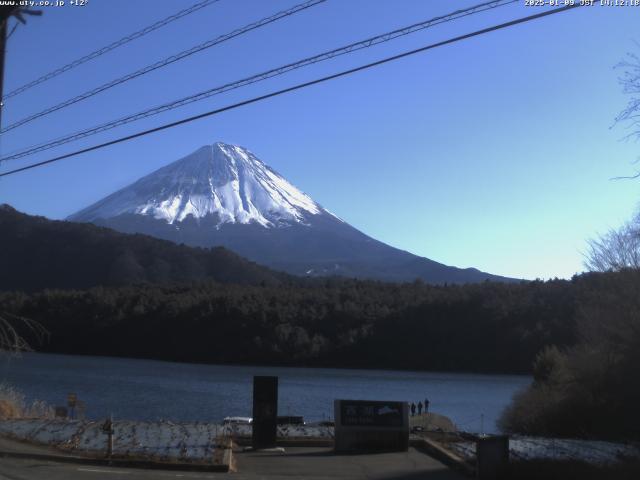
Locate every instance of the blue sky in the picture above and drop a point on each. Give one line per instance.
(495, 152)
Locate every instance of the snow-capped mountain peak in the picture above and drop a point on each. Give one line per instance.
(220, 179)
(222, 195)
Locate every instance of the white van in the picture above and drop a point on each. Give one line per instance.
(237, 421)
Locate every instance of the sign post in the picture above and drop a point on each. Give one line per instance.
(72, 401)
(265, 412)
(81, 410)
(107, 427)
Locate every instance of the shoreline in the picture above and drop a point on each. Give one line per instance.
(285, 366)
(151, 390)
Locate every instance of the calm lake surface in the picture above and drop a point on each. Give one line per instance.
(150, 390)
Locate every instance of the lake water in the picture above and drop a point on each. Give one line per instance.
(151, 390)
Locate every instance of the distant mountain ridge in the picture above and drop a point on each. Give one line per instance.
(37, 253)
(223, 195)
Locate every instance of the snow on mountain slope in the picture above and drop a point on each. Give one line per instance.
(221, 179)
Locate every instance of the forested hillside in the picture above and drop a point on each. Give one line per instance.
(37, 253)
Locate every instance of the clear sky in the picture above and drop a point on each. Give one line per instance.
(495, 152)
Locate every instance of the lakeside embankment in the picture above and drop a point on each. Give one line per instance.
(157, 441)
(202, 442)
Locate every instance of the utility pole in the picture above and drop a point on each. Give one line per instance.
(107, 427)
(5, 14)
(3, 41)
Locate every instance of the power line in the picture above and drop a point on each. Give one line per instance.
(296, 87)
(369, 42)
(112, 46)
(167, 61)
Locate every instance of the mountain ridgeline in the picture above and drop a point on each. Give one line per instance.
(223, 195)
(37, 253)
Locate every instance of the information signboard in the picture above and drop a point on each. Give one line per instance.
(371, 413)
(371, 425)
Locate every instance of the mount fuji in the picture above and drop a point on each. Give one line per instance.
(223, 195)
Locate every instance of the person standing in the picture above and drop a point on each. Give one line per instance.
(413, 409)
(419, 408)
(426, 405)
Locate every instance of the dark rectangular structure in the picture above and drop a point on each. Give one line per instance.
(493, 457)
(265, 411)
(370, 425)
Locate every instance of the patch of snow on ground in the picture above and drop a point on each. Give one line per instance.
(162, 440)
(188, 442)
(539, 448)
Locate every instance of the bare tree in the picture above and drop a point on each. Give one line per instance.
(616, 250)
(12, 333)
(630, 82)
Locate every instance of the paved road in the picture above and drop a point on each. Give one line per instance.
(295, 463)
(14, 469)
(321, 463)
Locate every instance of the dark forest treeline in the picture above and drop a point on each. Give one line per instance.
(489, 327)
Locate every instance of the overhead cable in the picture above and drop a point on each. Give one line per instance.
(299, 86)
(112, 46)
(366, 43)
(164, 62)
